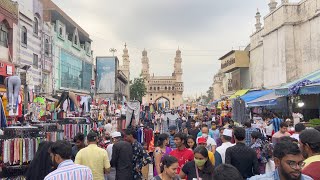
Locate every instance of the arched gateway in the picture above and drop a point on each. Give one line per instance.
(166, 87)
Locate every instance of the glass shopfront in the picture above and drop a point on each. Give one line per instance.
(75, 73)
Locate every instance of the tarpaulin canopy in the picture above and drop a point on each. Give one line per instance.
(252, 95)
(305, 82)
(266, 100)
(239, 93)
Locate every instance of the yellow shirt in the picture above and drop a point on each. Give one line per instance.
(211, 157)
(95, 158)
(311, 160)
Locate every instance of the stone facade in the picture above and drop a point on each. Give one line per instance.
(287, 47)
(167, 87)
(125, 68)
(218, 88)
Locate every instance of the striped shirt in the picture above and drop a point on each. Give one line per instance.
(276, 124)
(67, 170)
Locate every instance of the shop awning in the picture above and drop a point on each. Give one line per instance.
(252, 95)
(311, 80)
(239, 93)
(266, 100)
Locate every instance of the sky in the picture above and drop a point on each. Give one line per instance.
(203, 30)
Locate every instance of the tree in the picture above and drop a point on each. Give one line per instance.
(137, 89)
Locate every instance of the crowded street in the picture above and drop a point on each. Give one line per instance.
(159, 90)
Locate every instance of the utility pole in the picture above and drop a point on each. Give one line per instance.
(113, 50)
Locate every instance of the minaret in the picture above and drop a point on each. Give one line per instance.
(258, 23)
(126, 62)
(177, 66)
(145, 64)
(272, 5)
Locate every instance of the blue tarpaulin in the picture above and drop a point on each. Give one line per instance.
(252, 95)
(266, 100)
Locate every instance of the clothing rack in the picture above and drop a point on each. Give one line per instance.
(18, 147)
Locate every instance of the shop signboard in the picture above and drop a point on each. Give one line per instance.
(233, 60)
(106, 74)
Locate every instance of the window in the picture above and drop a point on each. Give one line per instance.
(165, 88)
(158, 88)
(46, 47)
(150, 88)
(36, 26)
(60, 31)
(169, 88)
(154, 88)
(35, 61)
(75, 40)
(3, 36)
(150, 94)
(24, 36)
(173, 99)
(150, 99)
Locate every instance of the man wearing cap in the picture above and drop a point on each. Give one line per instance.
(94, 157)
(310, 147)
(121, 158)
(226, 143)
(172, 132)
(112, 174)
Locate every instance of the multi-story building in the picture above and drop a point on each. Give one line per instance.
(71, 52)
(34, 49)
(287, 46)
(8, 39)
(235, 66)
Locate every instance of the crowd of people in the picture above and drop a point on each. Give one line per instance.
(201, 151)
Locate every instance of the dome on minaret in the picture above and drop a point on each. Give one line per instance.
(125, 50)
(144, 52)
(178, 52)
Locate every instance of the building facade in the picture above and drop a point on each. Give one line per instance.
(287, 46)
(32, 51)
(71, 51)
(218, 88)
(9, 31)
(235, 67)
(169, 88)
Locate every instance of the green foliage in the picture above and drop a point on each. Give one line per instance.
(137, 89)
(314, 122)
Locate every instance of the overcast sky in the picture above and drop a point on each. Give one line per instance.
(204, 30)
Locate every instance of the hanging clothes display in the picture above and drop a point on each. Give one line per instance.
(3, 119)
(71, 130)
(133, 109)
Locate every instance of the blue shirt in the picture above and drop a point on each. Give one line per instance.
(274, 175)
(68, 170)
(276, 124)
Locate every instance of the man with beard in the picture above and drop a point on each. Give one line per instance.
(310, 147)
(60, 153)
(289, 162)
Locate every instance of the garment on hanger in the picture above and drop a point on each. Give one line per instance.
(133, 108)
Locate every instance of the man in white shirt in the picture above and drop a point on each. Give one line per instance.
(298, 128)
(226, 143)
(211, 143)
(108, 127)
(115, 137)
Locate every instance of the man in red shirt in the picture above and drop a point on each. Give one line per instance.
(182, 153)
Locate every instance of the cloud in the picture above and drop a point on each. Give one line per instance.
(203, 30)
